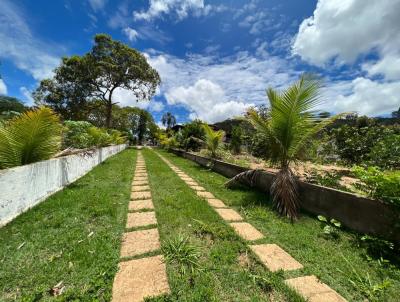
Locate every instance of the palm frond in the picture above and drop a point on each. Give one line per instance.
(213, 139)
(33, 136)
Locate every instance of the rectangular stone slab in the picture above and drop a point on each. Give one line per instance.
(137, 205)
(275, 258)
(246, 231)
(216, 203)
(197, 188)
(141, 195)
(139, 242)
(139, 182)
(140, 219)
(191, 183)
(229, 214)
(140, 188)
(204, 194)
(313, 290)
(139, 279)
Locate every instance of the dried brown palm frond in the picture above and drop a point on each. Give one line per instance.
(248, 178)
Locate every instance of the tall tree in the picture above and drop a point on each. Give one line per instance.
(290, 127)
(96, 76)
(168, 120)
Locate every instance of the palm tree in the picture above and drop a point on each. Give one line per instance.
(169, 120)
(32, 136)
(289, 128)
(213, 139)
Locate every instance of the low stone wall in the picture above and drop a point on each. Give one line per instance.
(23, 187)
(355, 212)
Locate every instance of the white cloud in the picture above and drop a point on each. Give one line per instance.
(23, 48)
(3, 87)
(156, 106)
(213, 89)
(97, 4)
(206, 100)
(363, 96)
(344, 30)
(181, 8)
(131, 34)
(27, 94)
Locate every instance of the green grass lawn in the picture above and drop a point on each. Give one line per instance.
(73, 237)
(227, 271)
(342, 263)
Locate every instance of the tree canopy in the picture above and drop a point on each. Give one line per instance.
(84, 83)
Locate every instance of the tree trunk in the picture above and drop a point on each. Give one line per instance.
(108, 114)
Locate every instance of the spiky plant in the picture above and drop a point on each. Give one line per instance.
(213, 139)
(289, 128)
(32, 136)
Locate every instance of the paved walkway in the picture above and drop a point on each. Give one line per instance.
(138, 276)
(272, 256)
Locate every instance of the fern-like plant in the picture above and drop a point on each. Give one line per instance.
(213, 139)
(32, 136)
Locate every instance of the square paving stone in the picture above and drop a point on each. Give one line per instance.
(141, 195)
(139, 177)
(275, 258)
(139, 279)
(139, 182)
(191, 183)
(140, 219)
(139, 242)
(137, 205)
(314, 290)
(140, 174)
(216, 203)
(246, 231)
(140, 188)
(197, 188)
(204, 194)
(229, 214)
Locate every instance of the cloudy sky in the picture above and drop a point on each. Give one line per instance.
(216, 58)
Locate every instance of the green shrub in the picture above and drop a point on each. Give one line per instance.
(379, 185)
(30, 137)
(236, 140)
(81, 134)
(386, 152)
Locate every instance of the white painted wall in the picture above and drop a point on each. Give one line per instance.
(23, 187)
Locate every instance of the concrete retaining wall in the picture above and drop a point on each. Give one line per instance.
(355, 212)
(23, 187)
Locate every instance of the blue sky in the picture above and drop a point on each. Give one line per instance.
(216, 58)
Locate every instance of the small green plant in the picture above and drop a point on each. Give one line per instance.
(330, 227)
(326, 179)
(179, 251)
(236, 140)
(213, 140)
(365, 285)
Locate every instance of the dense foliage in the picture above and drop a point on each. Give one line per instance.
(235, 144)
(213, 140)
(32, 136)
(81, 134)
(192, 136)
(378, 184)
(10, 107)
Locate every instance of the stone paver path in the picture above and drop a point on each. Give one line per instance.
(146, 277)
(140, 278)
(275, 258)
(246, 231)
(313, 290)
(271, 255)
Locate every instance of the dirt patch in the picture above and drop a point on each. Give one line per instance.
(140, 242)
(244, 260)
(216, 203)
(140, 195)
(275, 258)
(137, 205)
(313, 290)
(246, 231)
(139, 279)
(140, 219)
(229, 214)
